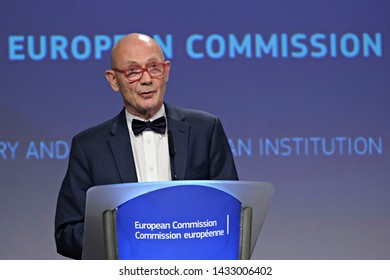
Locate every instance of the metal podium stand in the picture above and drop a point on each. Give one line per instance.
(255, 198)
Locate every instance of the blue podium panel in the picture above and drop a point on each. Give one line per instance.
(179, 222)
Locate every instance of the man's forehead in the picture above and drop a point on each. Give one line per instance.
(136, 49)
(142, 60)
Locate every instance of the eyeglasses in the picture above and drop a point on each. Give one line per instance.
(135, 73)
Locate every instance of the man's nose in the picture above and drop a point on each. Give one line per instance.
(145, 78)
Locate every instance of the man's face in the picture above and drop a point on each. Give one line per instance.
(144, 97)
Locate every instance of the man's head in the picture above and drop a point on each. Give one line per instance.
(142, 91)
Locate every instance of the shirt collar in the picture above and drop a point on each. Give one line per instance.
(130, 117)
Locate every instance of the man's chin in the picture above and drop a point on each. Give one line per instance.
(148, 110)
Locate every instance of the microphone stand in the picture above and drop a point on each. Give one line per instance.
(172, 154)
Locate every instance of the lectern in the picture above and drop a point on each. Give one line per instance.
(175, 219)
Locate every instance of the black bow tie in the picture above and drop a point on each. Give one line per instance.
(158, 125)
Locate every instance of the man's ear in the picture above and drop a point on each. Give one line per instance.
(167, 69)
(112, 80)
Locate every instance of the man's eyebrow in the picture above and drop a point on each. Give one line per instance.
(132, 63)
(148, 62)
(151, 58)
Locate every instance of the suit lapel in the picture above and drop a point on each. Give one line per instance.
(121, 146)
(180, 133)
(121, 149)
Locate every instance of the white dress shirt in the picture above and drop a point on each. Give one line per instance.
(150, 151)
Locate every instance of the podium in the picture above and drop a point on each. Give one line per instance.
(207, 215)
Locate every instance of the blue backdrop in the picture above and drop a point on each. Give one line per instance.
(302, 88)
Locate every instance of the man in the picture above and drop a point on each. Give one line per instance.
(123, 150)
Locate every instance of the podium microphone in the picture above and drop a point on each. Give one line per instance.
(172, 154)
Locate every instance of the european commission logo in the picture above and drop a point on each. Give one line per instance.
(201, 46)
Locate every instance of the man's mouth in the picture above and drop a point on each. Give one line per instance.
(147, 93)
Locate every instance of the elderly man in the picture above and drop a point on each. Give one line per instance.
(137, 145)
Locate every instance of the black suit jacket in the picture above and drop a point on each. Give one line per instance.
(103, 155)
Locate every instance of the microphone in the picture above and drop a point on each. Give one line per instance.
(172, 154)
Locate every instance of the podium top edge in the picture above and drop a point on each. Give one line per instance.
(185, 182)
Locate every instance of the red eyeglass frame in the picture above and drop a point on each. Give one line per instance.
(144, 69)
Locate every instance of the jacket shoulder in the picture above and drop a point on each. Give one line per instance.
(190, 115)
(106, 128)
